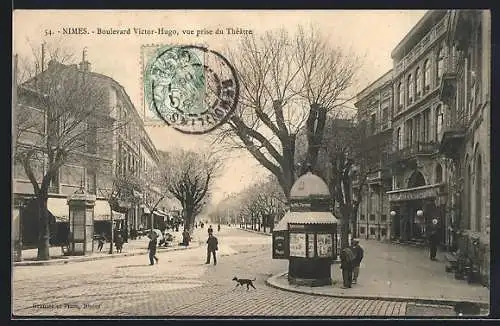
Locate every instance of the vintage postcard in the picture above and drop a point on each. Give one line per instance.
(251, 163)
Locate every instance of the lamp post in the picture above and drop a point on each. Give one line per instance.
(420, 213)
(392, 214)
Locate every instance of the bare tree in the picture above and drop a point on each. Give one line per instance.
(189, 176)
(286, 83)
(348, 155)
(71, 119)
(122, 189)
(262, 199)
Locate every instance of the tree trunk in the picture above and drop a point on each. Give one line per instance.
(43, 229)
(188, 217)
(344, 227)
(355, 222)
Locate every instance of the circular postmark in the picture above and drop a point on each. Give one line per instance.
(191, 88)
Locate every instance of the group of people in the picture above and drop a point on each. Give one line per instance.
(212, 245)
(118, 241)
(350, 260)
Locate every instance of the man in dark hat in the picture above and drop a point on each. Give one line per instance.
(358, 257)
(346, 259)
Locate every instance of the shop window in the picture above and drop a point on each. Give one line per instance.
(383, 232)
(362, 230)
(372, 231)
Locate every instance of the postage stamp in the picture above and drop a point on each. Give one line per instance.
(190, 87)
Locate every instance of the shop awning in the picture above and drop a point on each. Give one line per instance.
(59, 208)
(305, 218)
(102, 212)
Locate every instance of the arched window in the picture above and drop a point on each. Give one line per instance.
(399, 141)
(439, 173)
(468, 198)
(400, 95)
(418, 74)
(439, 121)
(440, 64)
(479, 193)
(427, 75)
(416, 180)
(411, 89)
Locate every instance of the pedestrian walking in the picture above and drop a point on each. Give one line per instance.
(119, 242)
(346, 260)
(218, 227)
(212, 247)
(100, 241)
(433, 239)
(202, 225)
(210, 230)
(358, 257)
(186, 237)
(152, 250)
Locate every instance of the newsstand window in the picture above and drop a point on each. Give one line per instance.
(311, 252)
(298, 245)
(325, 245)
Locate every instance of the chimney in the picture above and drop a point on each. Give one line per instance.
(84, 65)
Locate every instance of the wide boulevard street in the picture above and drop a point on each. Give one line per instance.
(183, 285)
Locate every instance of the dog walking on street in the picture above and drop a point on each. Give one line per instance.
(244, 281)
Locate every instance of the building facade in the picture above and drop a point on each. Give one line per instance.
(418, 171)
(440, 123)
(114, 143)
(465, 142)
(374, 106)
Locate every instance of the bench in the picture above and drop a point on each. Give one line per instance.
(451, 262)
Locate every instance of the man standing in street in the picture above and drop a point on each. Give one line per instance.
(212, 247)
(152, 250)
(433, 239)
(210, 230)
(346, 260)
(358, 257)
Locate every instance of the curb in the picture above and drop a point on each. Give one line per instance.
(257, 232)
(447, 302)
(92, 258)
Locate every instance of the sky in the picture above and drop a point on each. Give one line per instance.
(371, 34)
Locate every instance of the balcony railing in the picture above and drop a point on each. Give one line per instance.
(437, 31)
(413, 150)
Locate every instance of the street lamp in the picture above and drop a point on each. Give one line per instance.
(420, 213)
(393, 214)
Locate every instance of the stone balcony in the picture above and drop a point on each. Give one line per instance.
(425, 43)
(412, 151)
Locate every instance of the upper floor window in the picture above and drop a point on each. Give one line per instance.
(399, 139)
(427, 75)
(439, 173)
(440, 64)
(373, 123)
(439, 121)
(419, 82)
(411, 89)
(400, 95)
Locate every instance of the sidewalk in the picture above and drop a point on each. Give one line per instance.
(132, 248)
(253, 231)
(399, 273)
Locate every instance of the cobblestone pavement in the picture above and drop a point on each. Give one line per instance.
(180, 285)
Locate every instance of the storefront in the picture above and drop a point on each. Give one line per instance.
(412, 210)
